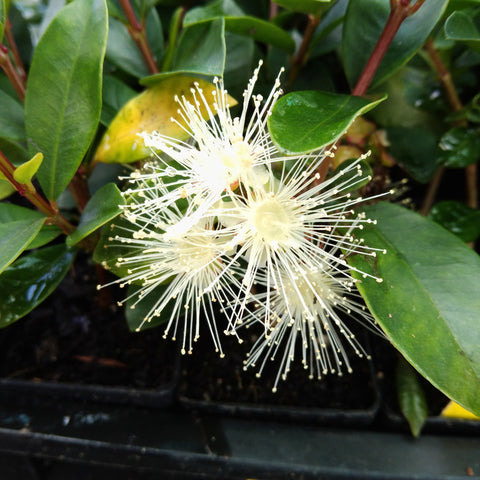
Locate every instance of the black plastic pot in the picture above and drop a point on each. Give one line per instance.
(75, 440)
(220, 386)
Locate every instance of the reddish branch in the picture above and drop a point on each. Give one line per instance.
(399, 11)
(11, 72)
(138, 33)
(453, 99)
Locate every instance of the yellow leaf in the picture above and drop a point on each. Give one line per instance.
(454, 410)
(151, 110)
(24, 173)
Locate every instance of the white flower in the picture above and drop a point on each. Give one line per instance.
(296, 221)
(187, 265)
(224, 219)
(308, 308)
(222, 151)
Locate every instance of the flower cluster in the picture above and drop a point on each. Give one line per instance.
(224, 228)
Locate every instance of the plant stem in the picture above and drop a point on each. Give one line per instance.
(30, 193)
(399, 11)
(444, 76)
(14, 49)
(300, 58)
(138, 33)
(11, 72)
(471, 171)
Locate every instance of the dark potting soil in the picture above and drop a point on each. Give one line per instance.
(207, 377)
(70, 337)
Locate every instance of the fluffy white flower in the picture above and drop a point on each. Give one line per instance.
(307, 309)
(188, 266)
(224, 219)
(222, 151)
(296, 221)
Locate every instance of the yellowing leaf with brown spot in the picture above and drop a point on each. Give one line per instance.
(151, 110)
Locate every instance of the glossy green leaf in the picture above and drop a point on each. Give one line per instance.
(201, 49)
(26, 171)
(459, 147)
(458, 218)
(108, 251)
(63, 98)
(364, 22)
(100, 209)
(306, 121)
(46, 234)
(429, 299)
(216, 9)
(415, 149)
(307, 6)
(411, 397)
(30, 280)
(115, 95)
(124, 53)
(11, 118)
(460, 26)
(237, 22)
(18, 227)
(135, 316)
(152, 110)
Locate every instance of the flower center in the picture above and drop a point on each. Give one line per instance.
(311, 294)
(272, 221)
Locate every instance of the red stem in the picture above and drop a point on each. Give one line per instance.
(14, 49)
(399, 11)
(139, 35)
(11, 72)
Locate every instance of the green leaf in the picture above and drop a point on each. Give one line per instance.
(460, 26)
(46, 234)
(201, 49)
(108, 251)
(429, 300)
(101, 208)
(306, 6)
(305, 121)
(25, 172)
(6, 189)
(30, 280)
(115, 95)
(415, 149)
(364, 22)
(18, 227)
(63, 98)
(459, 147)
(124, 53)
(411, 397)
(2, 18)
(458, 218)
(11, 118)
(237, 22)
(135, 316)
